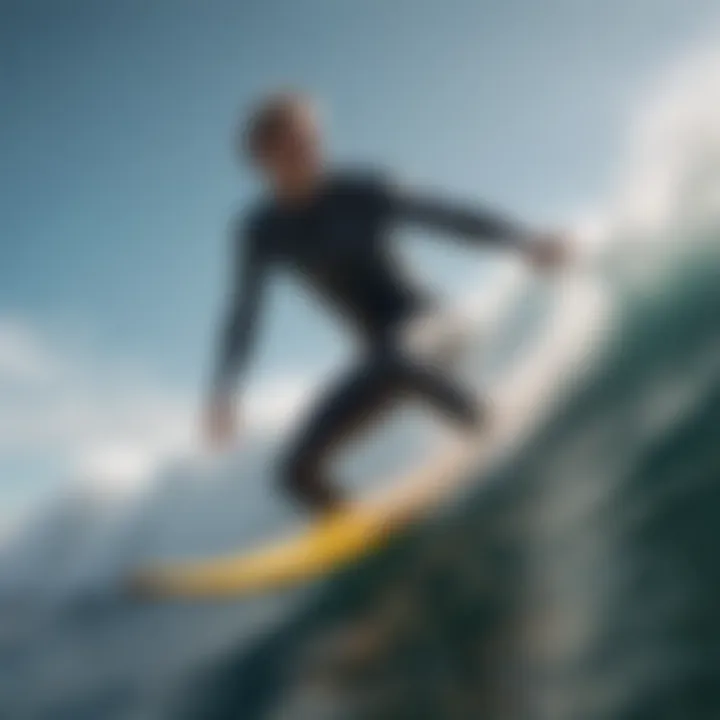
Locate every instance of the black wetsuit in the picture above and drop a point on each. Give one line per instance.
(339, 243)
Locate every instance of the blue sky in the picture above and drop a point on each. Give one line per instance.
(117, 180)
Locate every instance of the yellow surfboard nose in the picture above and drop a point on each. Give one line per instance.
(326, 546)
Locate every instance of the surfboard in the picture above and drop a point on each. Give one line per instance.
(336, 541)
(325, 546)
(526, 393)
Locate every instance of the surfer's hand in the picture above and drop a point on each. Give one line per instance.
(220, 424)
(548, 251)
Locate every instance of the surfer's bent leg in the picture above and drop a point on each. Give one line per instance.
(355, 401)
(443, 392)
(342, 410)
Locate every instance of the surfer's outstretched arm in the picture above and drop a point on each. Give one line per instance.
(476, 224)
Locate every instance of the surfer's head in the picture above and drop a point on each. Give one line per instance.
(282, 138)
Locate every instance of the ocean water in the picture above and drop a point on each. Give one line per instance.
(579, 582)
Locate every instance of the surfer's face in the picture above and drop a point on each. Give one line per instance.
(293, 160)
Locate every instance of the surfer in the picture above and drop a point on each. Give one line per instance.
(331, 227)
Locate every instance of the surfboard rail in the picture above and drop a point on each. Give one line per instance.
(326, 546)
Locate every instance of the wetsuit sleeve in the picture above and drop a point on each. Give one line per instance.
(238, 331)
(475, 224)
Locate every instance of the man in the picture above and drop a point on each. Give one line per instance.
(332, 228)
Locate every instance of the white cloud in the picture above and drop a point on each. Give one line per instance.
(22, 359)
(69, 410)
(104, 422)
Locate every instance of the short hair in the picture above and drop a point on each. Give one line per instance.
(268, 119)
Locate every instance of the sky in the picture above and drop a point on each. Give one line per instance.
(117, 180)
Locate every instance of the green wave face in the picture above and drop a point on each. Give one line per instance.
(583, 583)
